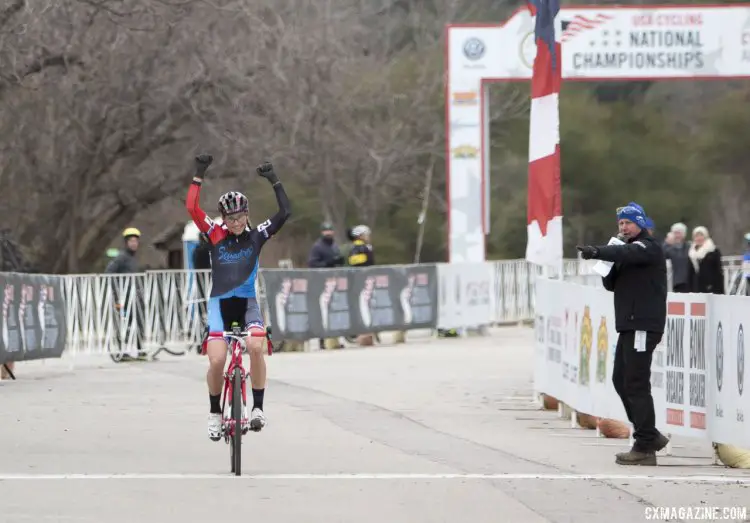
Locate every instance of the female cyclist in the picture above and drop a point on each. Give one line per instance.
(235, 249)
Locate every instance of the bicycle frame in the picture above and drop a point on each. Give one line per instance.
(234, 375)
(236, 346)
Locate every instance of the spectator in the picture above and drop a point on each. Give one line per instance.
(706, 273)
(639, 282)
(325, 252)
(127, 263)
(676, 250)
(361, 254)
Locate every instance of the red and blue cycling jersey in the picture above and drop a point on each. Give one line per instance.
(235, 258)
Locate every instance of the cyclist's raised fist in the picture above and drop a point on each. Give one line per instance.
(265, 170)
(202, 161)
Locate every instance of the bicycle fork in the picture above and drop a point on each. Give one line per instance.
(227, 422)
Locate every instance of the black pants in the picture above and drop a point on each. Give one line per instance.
(631, 377)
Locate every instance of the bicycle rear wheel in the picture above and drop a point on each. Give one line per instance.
(236, 444)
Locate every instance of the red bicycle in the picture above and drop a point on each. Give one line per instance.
(235, 425)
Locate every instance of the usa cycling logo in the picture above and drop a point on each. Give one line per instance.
(230, 257)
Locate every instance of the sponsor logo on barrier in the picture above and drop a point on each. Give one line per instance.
(719, 356)
(602, 344)
(740, 360)
(570, 360)
(459, 124)
(478, 293)
(334, 306)
(680, 315)
(740, 369)
(465, 152)
(719, 348)
(539, 328)
(697, 367)
(587, 338)
(466, 98)
(474, 49)
(554, 339)
(657, 368)
(675, 363)
(416, 300)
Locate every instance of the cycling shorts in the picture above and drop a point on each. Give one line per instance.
(222, 312)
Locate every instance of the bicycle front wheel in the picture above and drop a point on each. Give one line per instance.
(237, 418)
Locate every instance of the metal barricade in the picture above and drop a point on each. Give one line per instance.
(168, 308)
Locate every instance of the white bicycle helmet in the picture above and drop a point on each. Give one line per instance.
(360, 230)
(232, 203)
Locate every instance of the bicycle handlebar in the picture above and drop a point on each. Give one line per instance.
(238, 334)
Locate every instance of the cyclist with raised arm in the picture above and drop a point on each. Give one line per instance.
(235, 249)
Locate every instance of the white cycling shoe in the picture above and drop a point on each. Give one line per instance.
(257, 420)
(214, 427)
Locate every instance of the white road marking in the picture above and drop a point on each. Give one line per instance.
(743, 480)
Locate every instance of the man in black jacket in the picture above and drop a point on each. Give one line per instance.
(127, 263)
(325, 253)
(639, 281)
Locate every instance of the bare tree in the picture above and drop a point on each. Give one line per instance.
(103, 103)
(91, 144)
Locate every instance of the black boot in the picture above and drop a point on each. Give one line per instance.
(636, 457)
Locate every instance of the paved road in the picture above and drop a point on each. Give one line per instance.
(413, 433)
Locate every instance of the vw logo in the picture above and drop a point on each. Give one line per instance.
(474, 48)
(719, 356)
(740, 360)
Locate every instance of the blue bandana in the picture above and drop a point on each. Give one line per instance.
(634, 213)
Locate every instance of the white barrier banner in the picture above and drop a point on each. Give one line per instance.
(578, 344)
(730, 316)
(697, 372)
(465, 291)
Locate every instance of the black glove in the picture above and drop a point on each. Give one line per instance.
(588, 251)
(265, 170)
(202, 161)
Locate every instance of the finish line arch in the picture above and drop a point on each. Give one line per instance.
(599, 43)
